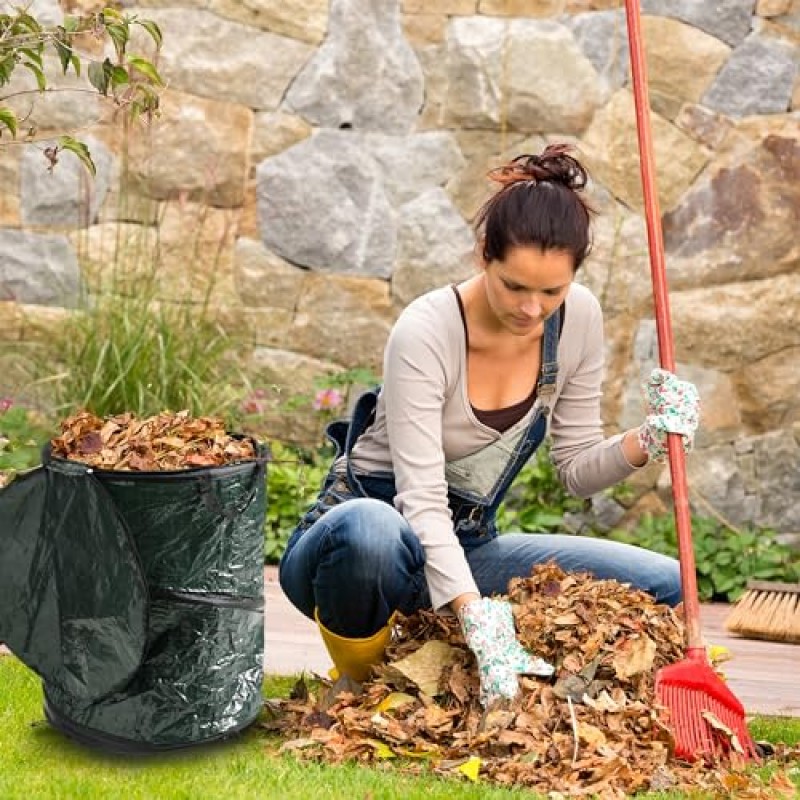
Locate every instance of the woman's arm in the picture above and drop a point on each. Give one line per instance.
(587, 462)
(418, 363)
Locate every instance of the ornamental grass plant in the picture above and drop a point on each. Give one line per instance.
(146, 340)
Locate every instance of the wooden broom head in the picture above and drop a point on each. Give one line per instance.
(767, 610)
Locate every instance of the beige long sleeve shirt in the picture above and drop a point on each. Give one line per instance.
(424, 422)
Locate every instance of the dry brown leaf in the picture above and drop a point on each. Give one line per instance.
(164, 442)
(623, 746)
(426, 666)
(634, 657)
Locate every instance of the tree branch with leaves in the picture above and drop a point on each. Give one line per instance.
(129, 81)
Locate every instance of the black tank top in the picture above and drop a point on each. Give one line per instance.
(498, 419)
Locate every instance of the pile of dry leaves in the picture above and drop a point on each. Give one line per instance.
(593, 730)
(167, 441)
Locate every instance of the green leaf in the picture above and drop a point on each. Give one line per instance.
(7, 66)
(99, 75)
(119, 36)
(119, 76)
(27, 22)
(41, 81)
(8, 119)
(80, 150)
(111, 13)
(33, 54)
(147, 69)
(71, 23)
(147, 102)
(65, 54)
(153, 29)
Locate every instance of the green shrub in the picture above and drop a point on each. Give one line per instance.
(536, 501)
(726, 558)
(294, 477)
(131, 354)
(22, 435)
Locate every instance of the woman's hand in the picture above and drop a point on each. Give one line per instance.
(488, 627)
(673, 406)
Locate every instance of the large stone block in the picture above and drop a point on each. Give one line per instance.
(213, 57)
(682, 62)
(768, 391)
(611, 150)
(196, 149)
(38, 269)
(364, 75)
(529, 74)
(67, 195)
(603, 38)
(435, 247)
(264, 279)
(758, 78)
(341, 294)
(350, 338)
(728, 326)
(322, 204)
(729, 21)
(305, 20)
(550, 84)
(740, 219)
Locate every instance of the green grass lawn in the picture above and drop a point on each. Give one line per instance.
(38, 762)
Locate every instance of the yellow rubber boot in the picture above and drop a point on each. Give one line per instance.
(354, 657)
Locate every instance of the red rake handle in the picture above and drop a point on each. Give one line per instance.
(677, 458)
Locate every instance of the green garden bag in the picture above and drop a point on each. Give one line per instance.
(138, 598)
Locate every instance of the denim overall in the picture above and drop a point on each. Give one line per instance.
(473, 514)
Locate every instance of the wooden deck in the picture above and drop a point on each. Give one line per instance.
(763, 675)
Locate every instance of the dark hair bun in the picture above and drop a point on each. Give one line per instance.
(553, 165)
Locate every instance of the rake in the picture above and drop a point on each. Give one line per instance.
(705, 717)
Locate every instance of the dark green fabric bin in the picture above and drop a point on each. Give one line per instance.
(138, 598)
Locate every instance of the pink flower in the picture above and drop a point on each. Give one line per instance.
(5, 404)
(252, 406)
(327, 399)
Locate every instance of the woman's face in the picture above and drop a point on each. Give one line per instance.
(526, 287)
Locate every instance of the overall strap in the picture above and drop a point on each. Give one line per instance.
(363, 417)
(549, 368)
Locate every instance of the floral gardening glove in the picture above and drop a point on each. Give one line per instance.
(488, 627)
(673, 406)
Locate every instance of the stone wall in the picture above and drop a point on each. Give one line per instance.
(336, 153)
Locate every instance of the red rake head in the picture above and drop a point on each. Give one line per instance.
(705, 717)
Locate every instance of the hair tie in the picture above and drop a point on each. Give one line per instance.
(553, 165)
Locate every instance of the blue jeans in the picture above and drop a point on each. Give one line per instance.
(360, 562)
